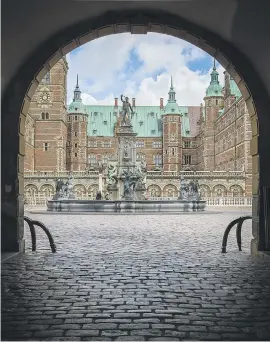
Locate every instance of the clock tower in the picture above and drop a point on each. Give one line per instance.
(48, 109)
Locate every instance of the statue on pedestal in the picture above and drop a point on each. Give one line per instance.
(140, 173)
(63, 190)
(129, 184)
(125, 112)
(189, 191)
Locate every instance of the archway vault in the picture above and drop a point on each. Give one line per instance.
(18, 95)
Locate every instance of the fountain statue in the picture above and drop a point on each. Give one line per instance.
(189, 191)
(64, 190)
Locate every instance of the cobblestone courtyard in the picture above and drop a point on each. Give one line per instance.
(136, 278)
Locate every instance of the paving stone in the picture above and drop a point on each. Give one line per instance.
(81, 333)
(100, 326)
(49, 333)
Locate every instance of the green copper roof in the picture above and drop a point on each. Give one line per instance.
(76, 105)
(214, 89)
(146, 121)
(234, 89)
(171, 106)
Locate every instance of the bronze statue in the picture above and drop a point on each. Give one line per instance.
(126, 108)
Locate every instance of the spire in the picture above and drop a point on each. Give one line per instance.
(77, 92)
(214, 74)
(214, 89)
(214, 66)
(171, 93)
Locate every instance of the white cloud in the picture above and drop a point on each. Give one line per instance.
(101, 65)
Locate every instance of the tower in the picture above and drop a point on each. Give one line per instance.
(77, 133)
(48, 110)
(172, 139)
(214, 101)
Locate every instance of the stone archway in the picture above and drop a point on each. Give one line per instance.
(79, 191)
(219, 191)
(18, 94)
(47, 190)
(205, 191)
(92, 191)
(154, 190)
(170, 191)
(236, 191)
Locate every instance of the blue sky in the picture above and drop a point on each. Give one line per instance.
(140, 66)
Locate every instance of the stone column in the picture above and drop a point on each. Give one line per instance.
(100, 182)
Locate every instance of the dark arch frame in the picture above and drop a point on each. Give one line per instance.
(15, 101)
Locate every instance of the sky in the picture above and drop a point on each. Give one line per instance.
(140, 66)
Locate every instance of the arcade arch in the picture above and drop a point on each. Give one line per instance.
(21, 89)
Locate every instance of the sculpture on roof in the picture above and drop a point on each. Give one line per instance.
(126, 109)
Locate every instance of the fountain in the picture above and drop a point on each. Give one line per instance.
(126, 183)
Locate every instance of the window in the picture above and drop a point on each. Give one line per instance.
(105, 158)
(76, 118)
(45, 146)
(43, 116)
(187, 159)
(107, 144)
(157, 159)
(141, 156)
(139, 143)
(75, 154)
(47, 116)
(216, 102)
(173, 151)
(92, 143)
(92, 159)
(76, 145)
(157, 144)
(187, 144)
(75, 133)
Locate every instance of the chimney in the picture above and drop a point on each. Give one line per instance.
(116, 102)
(133, 102)
(161, 103)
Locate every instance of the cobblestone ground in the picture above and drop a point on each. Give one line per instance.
(136, 278)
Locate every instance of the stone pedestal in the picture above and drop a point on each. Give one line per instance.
(140, 194)
(126, 156)
(113, 193)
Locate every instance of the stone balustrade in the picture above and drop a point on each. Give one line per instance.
(150, 174)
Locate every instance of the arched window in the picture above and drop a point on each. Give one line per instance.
(43, 116)
(47, 116)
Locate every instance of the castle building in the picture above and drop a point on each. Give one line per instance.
(210, 141)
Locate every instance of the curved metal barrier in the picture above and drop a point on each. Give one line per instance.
(239, 221)
(31, 223)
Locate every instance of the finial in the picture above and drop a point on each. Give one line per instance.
(214, 67)
(171, 82)
(77, 85)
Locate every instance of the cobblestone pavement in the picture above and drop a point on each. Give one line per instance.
(136, 278)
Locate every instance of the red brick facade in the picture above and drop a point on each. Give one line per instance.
(58, 141)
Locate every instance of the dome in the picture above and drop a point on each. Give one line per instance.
(76, 107)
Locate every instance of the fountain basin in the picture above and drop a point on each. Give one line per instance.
(73, 205)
